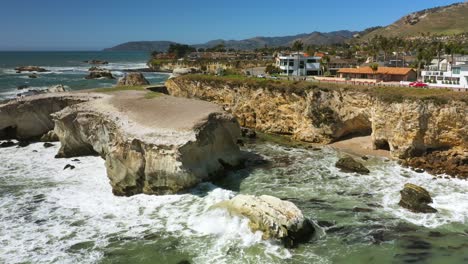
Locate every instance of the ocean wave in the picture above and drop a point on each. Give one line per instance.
(55, 211)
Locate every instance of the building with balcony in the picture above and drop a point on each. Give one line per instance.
(455, 76)
(299, 64)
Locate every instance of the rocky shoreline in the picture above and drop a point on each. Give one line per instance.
(408, 129)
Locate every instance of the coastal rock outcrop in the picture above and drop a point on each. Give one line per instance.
(182, 71)
(277, 219)
(133, 79)
(30, 69)
(159, 146)
(407, 127)
(348, 164)
(100, 75)
(97, 62)
(30, 117)
(416, 199)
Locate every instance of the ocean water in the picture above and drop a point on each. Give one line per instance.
(51, 215)
(67, 68)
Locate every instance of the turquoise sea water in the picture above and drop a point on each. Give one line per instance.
(52, 215)
(67, 68)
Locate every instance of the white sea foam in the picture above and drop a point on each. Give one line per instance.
(52, 210)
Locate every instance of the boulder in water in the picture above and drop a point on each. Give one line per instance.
(21, 87)
(99, 75)
(277, 219)
(348, 164)
(30, 69)
(33, 76)
(133, 79)
(48, 145)
(416, 199)
(98, 62)
(7, 144)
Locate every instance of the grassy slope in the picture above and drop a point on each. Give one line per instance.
(447, 20)
(388, 94)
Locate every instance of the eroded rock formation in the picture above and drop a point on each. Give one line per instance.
(147, 150)
(30, 117)
(406, 128)
(277, 219)
(133, 79)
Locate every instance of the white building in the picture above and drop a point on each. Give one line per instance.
(456, 76)
(298, 64)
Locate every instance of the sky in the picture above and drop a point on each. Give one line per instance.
(98, 24)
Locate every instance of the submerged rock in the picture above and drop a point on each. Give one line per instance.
(416, 199)
(99, 75)
(33, 76)
(68, 166)
(98, 62)
(133, 79)
(348, 164)
(21, 87)
(7, 144)
(30, 69)
(48, 145)
(277, 219)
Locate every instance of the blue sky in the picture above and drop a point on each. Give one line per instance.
(96, 24)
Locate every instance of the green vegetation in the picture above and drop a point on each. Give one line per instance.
(148, 95)
(180, 50)
(446, 20)
(385, 93)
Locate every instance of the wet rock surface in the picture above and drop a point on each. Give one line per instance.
(416, 199)
(452, 162)
(133, 79)
(277, 219)
(30, 69)
(348, 164)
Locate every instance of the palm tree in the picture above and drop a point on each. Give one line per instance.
(375, 68)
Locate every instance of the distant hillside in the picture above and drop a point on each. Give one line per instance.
(314, 38)
(160, 46)
(452, 19)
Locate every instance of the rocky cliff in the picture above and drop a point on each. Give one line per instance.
(153, 145)
(407, 127)
(147, 146)
(30, 117)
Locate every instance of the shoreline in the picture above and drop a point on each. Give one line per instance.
(361, 146)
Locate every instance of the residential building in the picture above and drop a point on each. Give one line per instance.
(455, 76)
(335, 64)
(298, 64)
(383, 74)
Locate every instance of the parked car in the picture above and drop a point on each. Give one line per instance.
(418, 84)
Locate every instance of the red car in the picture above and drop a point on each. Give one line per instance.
(418, 84)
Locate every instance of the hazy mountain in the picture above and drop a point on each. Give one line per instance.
(314, 38)
(160, 46)
(451, 19)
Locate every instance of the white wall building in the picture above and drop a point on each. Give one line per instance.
(298, 65)
(456, 76)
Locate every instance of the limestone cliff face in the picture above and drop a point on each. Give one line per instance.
(408, 127)
(141, 159)
(30, 117)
